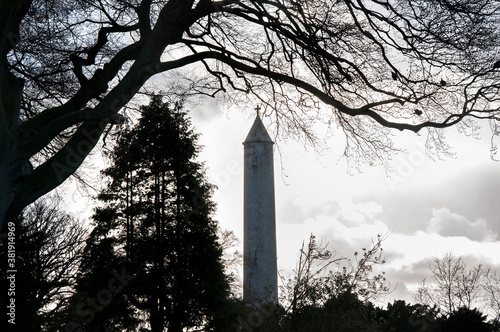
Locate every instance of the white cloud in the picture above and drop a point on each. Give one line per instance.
(367, 210)
(447, 223)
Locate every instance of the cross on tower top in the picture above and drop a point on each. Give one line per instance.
(257, 108)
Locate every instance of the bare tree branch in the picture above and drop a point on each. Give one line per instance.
(365, 66)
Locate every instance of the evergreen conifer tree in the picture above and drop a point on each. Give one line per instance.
(157, 219)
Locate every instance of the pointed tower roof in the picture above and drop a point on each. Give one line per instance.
(258, 132)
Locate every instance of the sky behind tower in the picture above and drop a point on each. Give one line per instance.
(424, 208)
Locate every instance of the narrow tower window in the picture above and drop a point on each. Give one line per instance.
(254, 158)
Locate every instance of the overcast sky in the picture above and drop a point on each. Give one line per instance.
(426, 208)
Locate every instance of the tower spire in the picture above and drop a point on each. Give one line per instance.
(258, 132)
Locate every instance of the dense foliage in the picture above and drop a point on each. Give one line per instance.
(156, 227)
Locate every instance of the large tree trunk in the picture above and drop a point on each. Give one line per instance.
(156, 320)
(6, 194)
(13, 165)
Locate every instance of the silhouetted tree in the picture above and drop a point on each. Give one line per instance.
(401, 316)
(319, 275)
(100, 303)
(492, 295)
(466, 320)
(309, 285)
(67, 68)
(47, 246)
(452, 285)
(332, 293)
(157, 218)
(342, 312)
(232, 259)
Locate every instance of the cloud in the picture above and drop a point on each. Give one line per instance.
(298, 208)
(335, 224)
(206, 113)
(447, 223)
(289, 212)
(360, 212)
(468, 190)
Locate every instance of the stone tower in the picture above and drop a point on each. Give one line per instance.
(260, 281)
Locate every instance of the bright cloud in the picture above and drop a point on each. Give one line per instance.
(447, 223)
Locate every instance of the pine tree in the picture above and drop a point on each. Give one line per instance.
(100, 302)
(157, 210)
